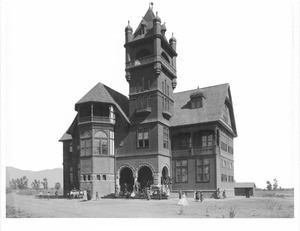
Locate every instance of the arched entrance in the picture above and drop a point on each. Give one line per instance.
(126, 180)
(164, 175)
(145, 177)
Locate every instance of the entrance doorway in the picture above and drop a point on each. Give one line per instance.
(145, 177)
(164, 175)
(126, 180)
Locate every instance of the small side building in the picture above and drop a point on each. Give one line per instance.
(244, 189)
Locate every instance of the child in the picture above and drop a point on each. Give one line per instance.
(182, 202)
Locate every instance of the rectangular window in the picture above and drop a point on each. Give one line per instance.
(223, 178)
(98, 177)
(202, 166)
(84, 177)
(88, 177)
(223, 146)
(166, 137)
(181, 167)
(207, 140)
(86, 147)
(143, 138)
(104, 177)
(163, 87)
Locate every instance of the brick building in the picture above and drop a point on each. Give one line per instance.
(155, 133)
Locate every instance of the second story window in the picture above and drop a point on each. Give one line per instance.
(86, 144)
(207, 140)
(143, 138)
(101, 143)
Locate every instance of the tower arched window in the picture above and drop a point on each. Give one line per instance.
(101, 143)
(142, 53)
(86, 144)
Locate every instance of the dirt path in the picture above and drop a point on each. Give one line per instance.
(262, 207)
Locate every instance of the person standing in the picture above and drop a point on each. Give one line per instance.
(180, 194)
(97, 196)
(182, 203)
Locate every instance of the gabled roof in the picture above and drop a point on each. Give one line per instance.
(211, 111)
(103, 94)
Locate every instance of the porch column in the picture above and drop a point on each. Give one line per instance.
(92, 111)
(157, 178)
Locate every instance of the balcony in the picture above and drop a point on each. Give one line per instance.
(195, 151)
(141, 61)
(98, 119)
(150, 59)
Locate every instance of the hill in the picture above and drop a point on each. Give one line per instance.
(52, 175)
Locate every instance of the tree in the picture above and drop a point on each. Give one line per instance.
(275, 184)
(13, 184)
(269, 185)
(45, 183)
(36, 184)
(21, 183)
(57, 186)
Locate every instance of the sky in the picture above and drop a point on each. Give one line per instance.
(54, 52)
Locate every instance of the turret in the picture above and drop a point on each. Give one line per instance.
(128, 33)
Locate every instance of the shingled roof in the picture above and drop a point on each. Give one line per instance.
(210, 112)
(104, 94)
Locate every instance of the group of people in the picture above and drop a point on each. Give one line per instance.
(217, 195)
(198, 196)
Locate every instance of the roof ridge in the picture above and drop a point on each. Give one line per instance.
(202, 88)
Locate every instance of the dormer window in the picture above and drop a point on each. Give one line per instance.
(197, 98)
(196, 103)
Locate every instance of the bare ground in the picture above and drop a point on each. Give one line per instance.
(241, 207)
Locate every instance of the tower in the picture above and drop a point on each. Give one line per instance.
(151, 74)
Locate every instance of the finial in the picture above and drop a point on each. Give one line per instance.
(128, 23)
(156, 13)
(172, 34)
(151, 5)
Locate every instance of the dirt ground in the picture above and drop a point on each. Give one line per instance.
(239, 207)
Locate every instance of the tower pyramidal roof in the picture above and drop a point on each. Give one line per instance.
(146, 20)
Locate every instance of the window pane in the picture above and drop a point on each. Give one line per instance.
(184, 163)
(104, 145)
(206, 161)
(199, 161)
(178, 175)
(204, 140)
(206, 169)
(146, 143)
(206, 177)
(178, 163)
(88, 143)
(146, 135)
(140, 135)
(140, 143)
(101, 134)
(184, 174)
(82, 143)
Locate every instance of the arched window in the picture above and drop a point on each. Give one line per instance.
(101, 143)
(163, 54)
(85, 144)
(142, 53)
